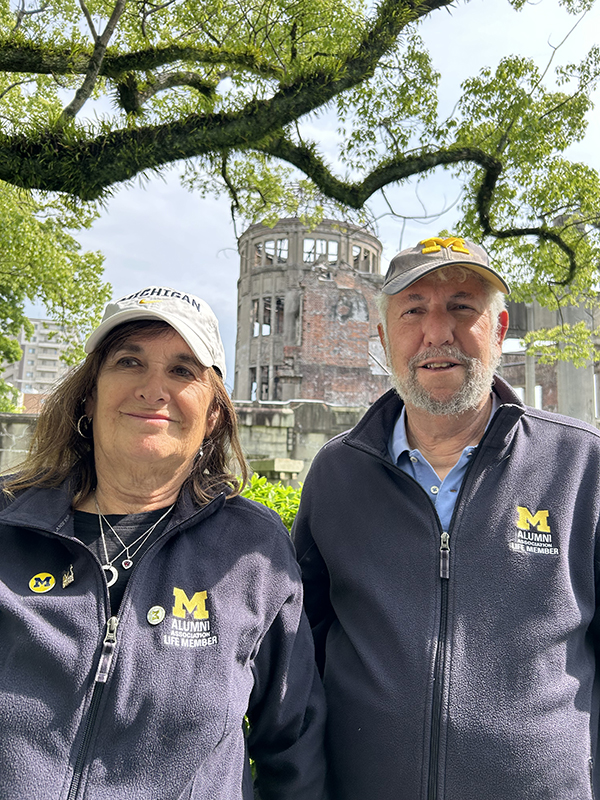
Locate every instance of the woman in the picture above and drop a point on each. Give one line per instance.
(146, 610)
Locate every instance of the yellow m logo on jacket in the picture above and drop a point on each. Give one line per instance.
(526, 520)
(196, 605)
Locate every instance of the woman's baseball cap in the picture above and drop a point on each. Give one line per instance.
(191, 317)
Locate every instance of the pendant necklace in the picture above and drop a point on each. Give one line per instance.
(127, 563)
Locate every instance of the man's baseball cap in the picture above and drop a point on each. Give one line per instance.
(430, 254)
(191, 317)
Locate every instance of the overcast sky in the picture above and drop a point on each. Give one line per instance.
(161, 234)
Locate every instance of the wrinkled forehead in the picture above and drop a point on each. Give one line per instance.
(440, 283)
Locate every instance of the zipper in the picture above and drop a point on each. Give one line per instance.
(100, 679)
(106, 657)
(108, 650)
(445, 555)
(440, 655)
(439, 668)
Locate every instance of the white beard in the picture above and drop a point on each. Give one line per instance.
(476, 385)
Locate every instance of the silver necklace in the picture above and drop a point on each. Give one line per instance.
(127, 562)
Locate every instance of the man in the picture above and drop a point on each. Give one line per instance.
(448, 545)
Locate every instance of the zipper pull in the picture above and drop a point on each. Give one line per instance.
(445, 555)
(108, 650)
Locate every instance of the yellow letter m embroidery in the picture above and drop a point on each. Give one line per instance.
(435, 244)
(195, 606)
(526, 519)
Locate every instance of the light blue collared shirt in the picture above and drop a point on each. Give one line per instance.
(443, 494)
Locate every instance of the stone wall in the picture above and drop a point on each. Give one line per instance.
(279, 440)
(296, 431)
(16, 431)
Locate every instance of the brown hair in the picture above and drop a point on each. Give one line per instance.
(59, 451)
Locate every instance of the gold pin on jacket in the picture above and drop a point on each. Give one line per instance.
(68, 577)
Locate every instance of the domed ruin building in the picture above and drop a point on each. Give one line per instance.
(307, 319)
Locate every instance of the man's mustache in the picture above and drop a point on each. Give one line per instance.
(449, 353)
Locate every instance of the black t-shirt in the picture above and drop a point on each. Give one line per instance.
(129, 527)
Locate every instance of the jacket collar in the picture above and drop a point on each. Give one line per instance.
(45, 508)
(49, 509)
(371, 434)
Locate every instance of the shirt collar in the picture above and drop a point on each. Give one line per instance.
(398, 442)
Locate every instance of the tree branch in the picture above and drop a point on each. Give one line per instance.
(86, 88)
(395, 169)
(22, 12)
(132, 96)
(543, 232)
(235, 203)
(89, 20)
(153, 9)
(45, 59)
(356, 195)
(14, 85)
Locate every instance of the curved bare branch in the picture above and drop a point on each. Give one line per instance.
(94, 66)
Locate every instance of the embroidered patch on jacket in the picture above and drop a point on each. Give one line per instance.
(190, 621)
(533, 533)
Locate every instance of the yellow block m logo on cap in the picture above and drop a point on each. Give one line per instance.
(195, 606)
(526, 520)
(435, 244)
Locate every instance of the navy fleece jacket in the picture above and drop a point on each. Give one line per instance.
(460, 668)
(151, 706)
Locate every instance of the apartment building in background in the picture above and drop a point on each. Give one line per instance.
(40, 366)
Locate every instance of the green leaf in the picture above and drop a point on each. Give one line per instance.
(282, 499)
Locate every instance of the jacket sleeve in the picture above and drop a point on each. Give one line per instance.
(286, 712)
(315, 576)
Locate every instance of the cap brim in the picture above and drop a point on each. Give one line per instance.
(195, 343)
(401, 282)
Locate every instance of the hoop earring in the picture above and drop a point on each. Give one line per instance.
(86, 433)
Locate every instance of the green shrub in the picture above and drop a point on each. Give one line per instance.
(282, 499)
